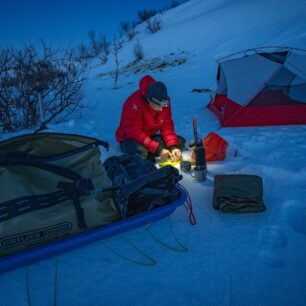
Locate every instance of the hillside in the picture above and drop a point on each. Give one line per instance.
(245, 259)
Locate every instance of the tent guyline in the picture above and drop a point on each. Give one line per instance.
(149, 260)
(28, 293)
(179, 248)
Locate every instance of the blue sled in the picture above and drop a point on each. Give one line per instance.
(23, 258)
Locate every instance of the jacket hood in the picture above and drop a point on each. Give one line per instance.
(144, 83)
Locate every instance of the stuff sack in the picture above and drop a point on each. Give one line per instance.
(143, 187)
(215, 147)
(48, 187)
(238, 193)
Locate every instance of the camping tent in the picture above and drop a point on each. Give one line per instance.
(264, 86)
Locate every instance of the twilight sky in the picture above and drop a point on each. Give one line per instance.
(66, 22)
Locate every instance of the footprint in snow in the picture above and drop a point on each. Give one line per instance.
(273, 240)
(295, 214)
(273, 236)
(272, 259)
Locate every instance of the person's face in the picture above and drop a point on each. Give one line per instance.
(156, 107)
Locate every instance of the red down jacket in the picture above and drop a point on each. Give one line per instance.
(139, 120)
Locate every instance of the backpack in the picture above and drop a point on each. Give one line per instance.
(143, 186)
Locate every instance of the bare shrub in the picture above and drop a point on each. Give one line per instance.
(99, 46)
(83, 52)
(119, 42)
(115, 73)
(153, 25)
(128, 29)
(37, 89)
(138, 51)
(174, 4)
(145, 15)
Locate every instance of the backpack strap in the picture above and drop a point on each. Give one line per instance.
(72, 190)
(125, 191)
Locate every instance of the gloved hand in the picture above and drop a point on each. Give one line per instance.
(176, 154)
(165, 154)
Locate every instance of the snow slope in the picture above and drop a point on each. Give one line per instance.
(251, 259)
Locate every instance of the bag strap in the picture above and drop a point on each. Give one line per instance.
(23, 205)
(21, 155)
(125, 191)
(58, 170)
(73, 190)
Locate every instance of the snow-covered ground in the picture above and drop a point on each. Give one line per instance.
(245, 259)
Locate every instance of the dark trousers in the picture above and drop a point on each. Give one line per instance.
(131, 147)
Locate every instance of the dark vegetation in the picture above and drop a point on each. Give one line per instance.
(39, 85)
(36, 88)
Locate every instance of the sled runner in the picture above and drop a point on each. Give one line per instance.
(14, 261)
(57, 195)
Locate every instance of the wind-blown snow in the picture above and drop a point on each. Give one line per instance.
(232, 259)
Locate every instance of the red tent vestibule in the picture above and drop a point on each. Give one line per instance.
(261, 87)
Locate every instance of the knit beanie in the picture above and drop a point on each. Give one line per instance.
(158, 91)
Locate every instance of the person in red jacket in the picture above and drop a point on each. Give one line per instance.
(146, 112)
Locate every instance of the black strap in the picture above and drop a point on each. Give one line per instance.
(21, 155)
(22, 205)
(73, 190)
(128, 189)
(41, 128)
(75, 151)
(58, 170)
(80, 212)
(103, 143)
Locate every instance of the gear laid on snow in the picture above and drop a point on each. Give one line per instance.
(56, 195)
(185, 166)
(200, 170)
(238, 193)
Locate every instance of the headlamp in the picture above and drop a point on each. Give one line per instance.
(162, 103)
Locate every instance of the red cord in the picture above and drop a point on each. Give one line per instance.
(192, 218)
